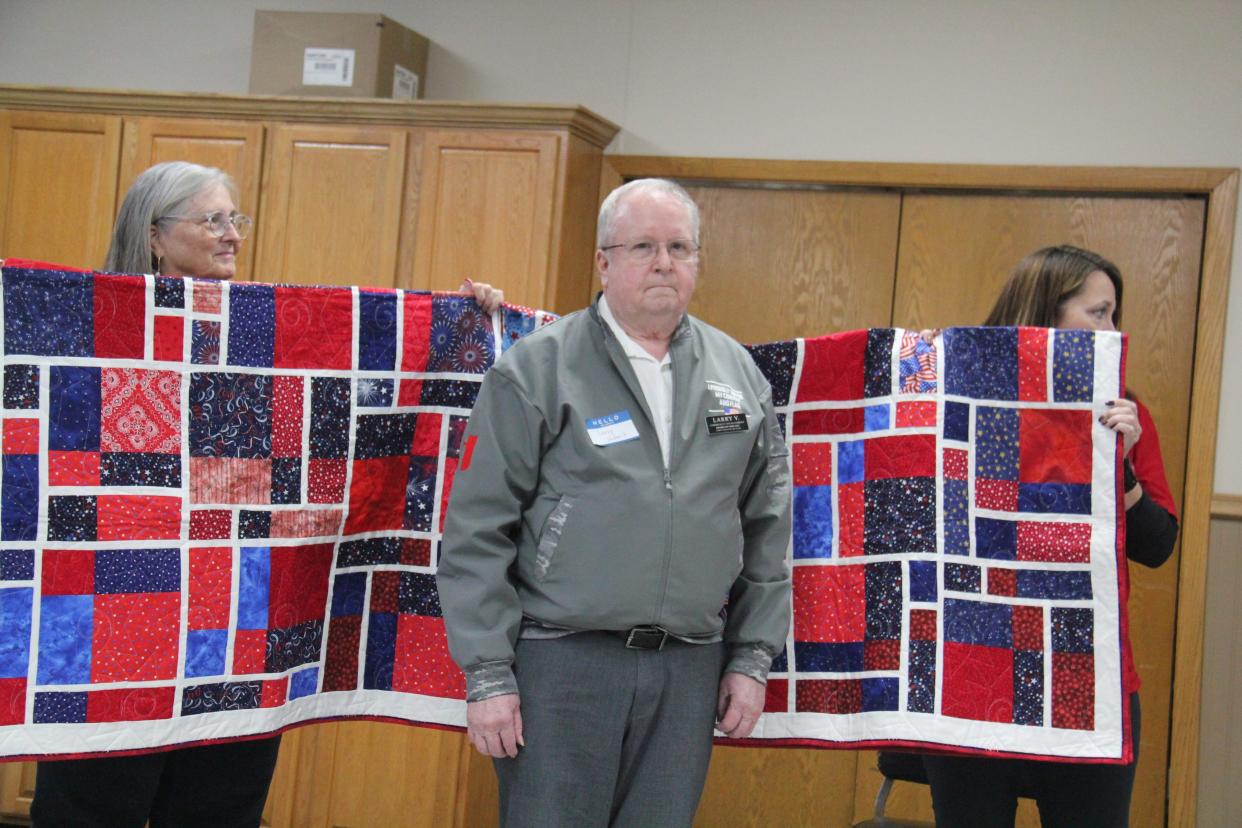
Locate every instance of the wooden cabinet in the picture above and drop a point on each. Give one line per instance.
(57, 184)
(376, 192)
(384, 193)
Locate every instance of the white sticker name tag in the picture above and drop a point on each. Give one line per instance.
(612, 428)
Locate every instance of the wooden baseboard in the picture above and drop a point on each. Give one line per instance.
(1227, 506)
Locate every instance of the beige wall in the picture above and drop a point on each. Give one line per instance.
(1116, 82)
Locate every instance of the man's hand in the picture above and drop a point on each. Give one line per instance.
(738, 705)
(495, 725)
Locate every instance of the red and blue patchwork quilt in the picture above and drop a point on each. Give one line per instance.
(221, 505)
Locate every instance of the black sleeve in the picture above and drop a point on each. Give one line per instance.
(1150, 532)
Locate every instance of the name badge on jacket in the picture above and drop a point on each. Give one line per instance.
(612, 428)
(726, 423)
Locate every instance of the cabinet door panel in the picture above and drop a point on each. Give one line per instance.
(957, 250)
(485, 212)
(331, 208)
(233, 146)
(819, 261)
(58, 173)
(17, 780)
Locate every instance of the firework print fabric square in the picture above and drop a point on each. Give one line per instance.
(220, 508)
(214, 500)
(955, 550)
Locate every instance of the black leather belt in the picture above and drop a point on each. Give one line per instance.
(647, 637)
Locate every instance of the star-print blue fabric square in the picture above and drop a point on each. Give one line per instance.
(252, 324)
(377, 331)
(369, 552)
(982, 362)
(449, 393)
(286, 480)
(137, 570)
(899, 516)
(777, 361)
(878, 381)
(383, 435)
(71, 518)
(882, 584)
(60, 707)
(416, 594)
(996, 443)
(420, 494)
(456, 433)
(1028, 687)
(140, 469)
(51, 314)
(329, 425)
(812, 529)
(21, 386)
(962, 577)
(1073, 366)
(16, 564)
(169, 292)
(1073, 630)
(956, 521)
(74, 403)
(921, 694)
(829, 657)
(230, 415)
(253, 524)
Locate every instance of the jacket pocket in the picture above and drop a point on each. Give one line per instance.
(550, 535)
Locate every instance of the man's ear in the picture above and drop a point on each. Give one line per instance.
(601, 267)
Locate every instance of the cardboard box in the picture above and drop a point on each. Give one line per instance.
(341, 54)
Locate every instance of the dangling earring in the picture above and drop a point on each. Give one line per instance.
(159, 265)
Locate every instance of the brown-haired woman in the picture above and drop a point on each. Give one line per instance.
(1068, 287)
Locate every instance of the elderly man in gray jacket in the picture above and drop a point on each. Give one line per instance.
(613, 574)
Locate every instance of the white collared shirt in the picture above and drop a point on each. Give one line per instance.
(654, 376)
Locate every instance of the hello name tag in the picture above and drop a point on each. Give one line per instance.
(612, 428)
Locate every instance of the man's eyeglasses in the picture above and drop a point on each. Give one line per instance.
(645, 250)
(219, 221)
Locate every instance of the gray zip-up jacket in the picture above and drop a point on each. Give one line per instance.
(563, 513)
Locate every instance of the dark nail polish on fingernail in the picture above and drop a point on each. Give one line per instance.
(1109, 403)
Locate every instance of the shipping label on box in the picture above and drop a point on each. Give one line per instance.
(328, 67)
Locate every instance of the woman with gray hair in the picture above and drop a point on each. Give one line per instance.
(178, 219)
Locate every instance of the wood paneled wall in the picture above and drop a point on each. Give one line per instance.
(836, 246)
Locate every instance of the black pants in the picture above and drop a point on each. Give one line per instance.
(978, 792)
(213, 786)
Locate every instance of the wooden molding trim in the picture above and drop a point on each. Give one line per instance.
(577, 120)
(740, 171)
(1226, 506)
(1222, 209)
